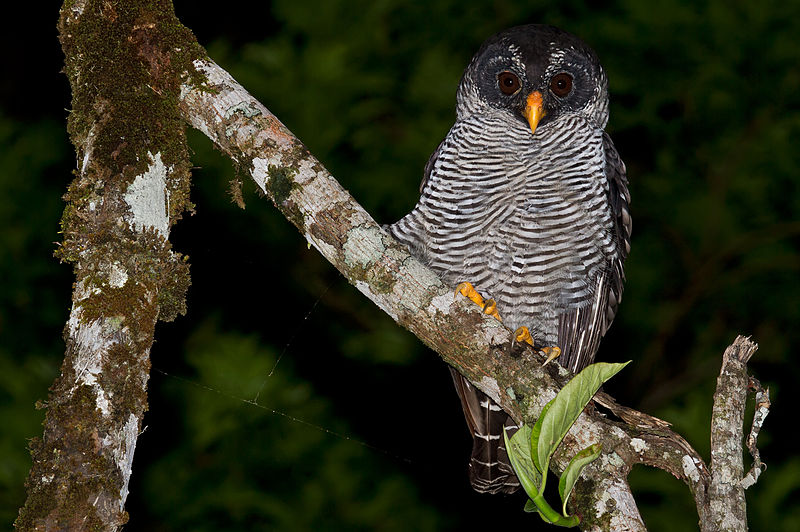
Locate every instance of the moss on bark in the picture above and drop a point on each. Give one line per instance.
(125, 62)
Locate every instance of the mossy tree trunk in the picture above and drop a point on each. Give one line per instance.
(131, 184)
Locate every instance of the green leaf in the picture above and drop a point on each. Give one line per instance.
(568, 405)
(531, 507)
(549, 515)
(573, 471)
(519, 453)
(535, 432)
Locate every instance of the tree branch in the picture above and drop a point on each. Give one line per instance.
(727, 508)
(384, 271)
(133, 184)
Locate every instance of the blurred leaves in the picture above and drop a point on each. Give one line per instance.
(247, 467)
(34, 291)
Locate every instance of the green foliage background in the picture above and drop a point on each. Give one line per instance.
(357, 427)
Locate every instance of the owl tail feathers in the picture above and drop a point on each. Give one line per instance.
(489, 468)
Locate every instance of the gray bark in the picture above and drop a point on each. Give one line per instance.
(727, 508)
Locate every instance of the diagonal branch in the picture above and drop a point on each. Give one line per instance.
(478, 346)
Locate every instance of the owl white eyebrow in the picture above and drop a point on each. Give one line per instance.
(515, 57)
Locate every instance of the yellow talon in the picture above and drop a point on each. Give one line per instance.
(490, 308)
(468, 291)
(551, 353)
(523, 335)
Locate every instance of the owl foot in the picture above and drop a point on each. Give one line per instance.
(551, 352)
(524, 335)
(489, 306)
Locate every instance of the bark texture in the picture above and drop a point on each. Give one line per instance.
(727, 507)
(131, 184)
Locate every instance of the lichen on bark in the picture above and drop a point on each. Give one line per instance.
(125, 62)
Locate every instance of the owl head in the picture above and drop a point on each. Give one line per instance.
(535, 74)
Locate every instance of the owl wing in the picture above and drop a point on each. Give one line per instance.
(620, 199)
(429, 165)
(580, 331)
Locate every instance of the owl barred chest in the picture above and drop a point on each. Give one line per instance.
(526, 221)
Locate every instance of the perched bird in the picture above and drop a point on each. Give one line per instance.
(526, 199)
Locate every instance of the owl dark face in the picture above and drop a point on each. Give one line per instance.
(536, 74)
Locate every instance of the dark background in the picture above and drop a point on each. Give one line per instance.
(358, 426)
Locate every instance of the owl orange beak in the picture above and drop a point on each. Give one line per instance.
(534, 109)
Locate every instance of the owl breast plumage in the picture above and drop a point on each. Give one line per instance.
(526, 219)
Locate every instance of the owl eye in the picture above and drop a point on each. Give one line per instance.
(561, 84)
(508, 82)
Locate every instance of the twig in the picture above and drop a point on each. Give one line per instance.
(726, 509)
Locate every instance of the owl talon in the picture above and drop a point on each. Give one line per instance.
(488, 306)
(523, 335)
(551, 353)
(468, 291)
